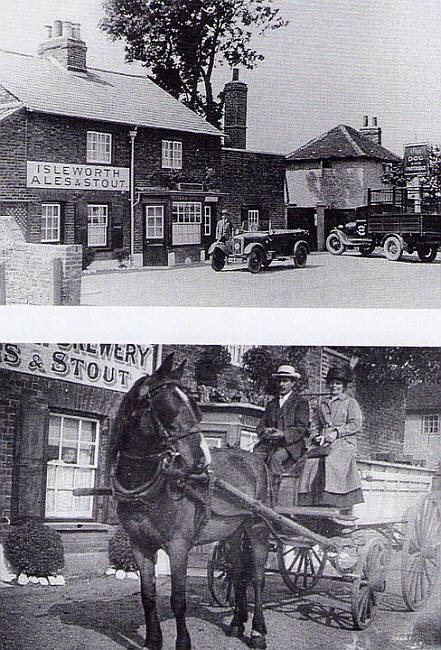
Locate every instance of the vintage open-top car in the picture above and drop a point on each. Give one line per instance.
(260, 248)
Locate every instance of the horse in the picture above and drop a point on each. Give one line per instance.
(166, 500)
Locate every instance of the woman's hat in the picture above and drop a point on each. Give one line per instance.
(339, 374)
(286, 372)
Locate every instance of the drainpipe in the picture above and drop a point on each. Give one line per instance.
(132, 135)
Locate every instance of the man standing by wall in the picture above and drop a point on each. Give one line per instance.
(284, 426)
(224, 229)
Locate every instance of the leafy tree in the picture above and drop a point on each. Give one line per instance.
(212, 360)
(183, 41)
(431, 182)
(260, 362)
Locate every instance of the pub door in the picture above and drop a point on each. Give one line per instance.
(154, 251)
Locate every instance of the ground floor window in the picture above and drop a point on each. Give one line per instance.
(154, 222)
(72, 463)
(97, 225)
(50, 222)
(253, 219)
(207, 220)
(187, 219)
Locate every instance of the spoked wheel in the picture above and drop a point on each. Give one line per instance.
(300, 256)
(427, 253)
(393, 248)
(301, 568)
(334, 244)
(421, 557)
(219, 579)
(368, 588)
(256, 260)
(366, 250)
(218, 260)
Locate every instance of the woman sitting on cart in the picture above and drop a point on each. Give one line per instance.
(332, 478)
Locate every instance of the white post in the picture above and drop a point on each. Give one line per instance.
(132, 134)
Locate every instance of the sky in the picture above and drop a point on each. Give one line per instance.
(336, 61)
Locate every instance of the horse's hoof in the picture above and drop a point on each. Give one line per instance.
(236, 630)
(257, 641)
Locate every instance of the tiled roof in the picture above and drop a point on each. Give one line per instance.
(422, 397)
(43, 85)
(342, 142)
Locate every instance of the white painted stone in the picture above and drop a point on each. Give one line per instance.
(120, 574)
(44, 582)
(33, 580)
(22, 579)
(110, 571)
(5, 569)
(52, 580)
(59, 580)
(132, 575)
(9, 577)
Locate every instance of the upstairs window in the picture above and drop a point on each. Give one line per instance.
(50, 222)
(431, 424)
(171, 154)
(99, 147)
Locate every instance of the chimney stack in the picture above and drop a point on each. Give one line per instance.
(63, 42)
(372, 132)
(235, 112)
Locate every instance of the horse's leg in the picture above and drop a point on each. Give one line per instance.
(238, 562)
(259, 552)
(146, 566)
(178, 550)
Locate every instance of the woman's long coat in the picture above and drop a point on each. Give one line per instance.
(341, 474)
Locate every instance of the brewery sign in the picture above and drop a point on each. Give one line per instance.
(107, 365)
(416, 159)
(44, 175)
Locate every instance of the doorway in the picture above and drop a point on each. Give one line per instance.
(154, 251)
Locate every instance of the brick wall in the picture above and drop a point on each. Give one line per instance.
(23, 464)
(254, 179)
(29, 273)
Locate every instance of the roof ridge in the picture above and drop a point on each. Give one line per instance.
(346, 133)
(29, 56)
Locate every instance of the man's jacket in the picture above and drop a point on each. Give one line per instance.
(292, 418)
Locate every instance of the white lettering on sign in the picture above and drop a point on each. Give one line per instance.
(45, 175)
(107, 365)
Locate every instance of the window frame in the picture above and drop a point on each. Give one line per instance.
(98, 157)
(253, 217)
(51, 240)
(162, 216)
(98, 205)
(186, 227)
(171, 154)
(208, 213)
(428, 420)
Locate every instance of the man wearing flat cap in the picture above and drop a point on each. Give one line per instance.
(224, 229)
(283, 427)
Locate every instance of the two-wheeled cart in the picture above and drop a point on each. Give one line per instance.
(307, 540)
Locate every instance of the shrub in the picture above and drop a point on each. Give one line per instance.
(120, 551)
(34, 549)
(121, 254)
(88, 257)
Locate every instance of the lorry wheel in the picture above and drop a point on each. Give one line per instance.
(217, 260)
(427, 253)
(255, 260)
(393, 248)
(300, 256)
(366, 250)
(334, 244)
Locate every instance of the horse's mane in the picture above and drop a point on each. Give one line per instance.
(124, 412)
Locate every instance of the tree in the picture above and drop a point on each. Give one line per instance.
(183, 41)
(261, 361)
(211, 362)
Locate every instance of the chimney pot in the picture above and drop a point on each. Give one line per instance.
(58, 28)
(48, 29)
(76, 27)
(374, 121)
(67, 28)
(235, 74)
(365, 120)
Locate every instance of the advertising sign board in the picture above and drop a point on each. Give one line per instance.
(63, 176)
(416, 159)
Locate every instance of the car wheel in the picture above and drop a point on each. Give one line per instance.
(427, 253)
(366, 250)
(393, 248)
(300, 256)
(217, 260)
(334, 244)
(255, 260)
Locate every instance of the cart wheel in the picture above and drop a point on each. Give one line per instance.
(300, 256)
(301, 568)
(334, 244)
(421, 558)
(255, 260)
(427, 253)
(366, 250)
(393, 248)
(220, 584)
(217, 260)
(368, 588)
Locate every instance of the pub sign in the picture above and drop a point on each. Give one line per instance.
(416, 159)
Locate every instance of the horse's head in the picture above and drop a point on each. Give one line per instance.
(163, 417)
